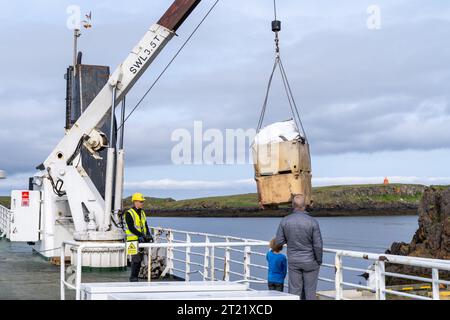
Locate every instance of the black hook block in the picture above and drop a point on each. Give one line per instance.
(276, 26)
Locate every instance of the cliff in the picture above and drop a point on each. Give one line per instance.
(432, 238)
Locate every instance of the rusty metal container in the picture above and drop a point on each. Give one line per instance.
(282, 168)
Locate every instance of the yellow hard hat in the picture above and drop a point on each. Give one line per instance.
(138, 197)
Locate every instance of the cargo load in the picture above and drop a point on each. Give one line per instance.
(282, 164)
(280, 150)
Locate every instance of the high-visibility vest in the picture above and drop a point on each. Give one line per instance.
(139, 224)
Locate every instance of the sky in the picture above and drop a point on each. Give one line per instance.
(374, 100)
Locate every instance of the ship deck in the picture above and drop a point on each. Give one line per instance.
(26, 275)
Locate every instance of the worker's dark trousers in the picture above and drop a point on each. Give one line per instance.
(136, 261)
(303, 283)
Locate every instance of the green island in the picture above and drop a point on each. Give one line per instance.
(348, 200)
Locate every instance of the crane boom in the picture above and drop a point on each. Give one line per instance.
(66, 188)
(123, 78)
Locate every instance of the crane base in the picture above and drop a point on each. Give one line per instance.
(100, 258)
(114, 235)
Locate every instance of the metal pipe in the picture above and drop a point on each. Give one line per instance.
(358, 286)
(326, 280)
(62, 270)
(170, 253)
(216, 236)
(338, 277)
(382, 280)
(246, 263)
(120, 163)
(149, 266)
(409, 277)
(435, 284)
(122, 123)
(226, 275)
(78, 275)
(212, 263)
(113, 108)
(109, 183)
(76, 35)
(407, 295)
(206, 260)
(120, 167)
(108, 189)
(188, 259)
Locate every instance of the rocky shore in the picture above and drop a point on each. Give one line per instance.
(281, 212)
(432, 238)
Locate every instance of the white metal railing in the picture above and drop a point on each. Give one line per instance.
(207, 246)
(339, 280)
(379, 273)
(236, 261)
(5, 221)
(212, 257)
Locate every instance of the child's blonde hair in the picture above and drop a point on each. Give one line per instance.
(274, 246)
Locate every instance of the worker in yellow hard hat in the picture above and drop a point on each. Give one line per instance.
(136, 229)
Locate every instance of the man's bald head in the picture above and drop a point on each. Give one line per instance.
(299, 202)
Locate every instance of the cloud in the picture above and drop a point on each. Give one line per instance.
(359, 90)
(14, 182)
(170, 184)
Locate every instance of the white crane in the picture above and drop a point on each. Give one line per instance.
(64, 197)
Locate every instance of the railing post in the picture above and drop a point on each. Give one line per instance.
(380, 280)
(435, 284)
(188, 258)
(125, 255)
(206, 260)
(339, 277)
(170, 252)
(63, 271)
(376, 274)
(212, 266)
(149, 265)
(247, 263)
(78, 275)
(226, 267)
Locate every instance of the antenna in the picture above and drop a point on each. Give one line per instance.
(87, 24)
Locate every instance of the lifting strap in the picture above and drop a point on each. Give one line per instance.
(276, 27)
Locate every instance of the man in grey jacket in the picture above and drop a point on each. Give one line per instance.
(302, 235)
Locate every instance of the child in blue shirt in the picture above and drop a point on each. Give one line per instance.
(277, 267)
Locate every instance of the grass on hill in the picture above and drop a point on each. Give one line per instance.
(329, 195)
(234, 201)
(322, 195)
(368, 193)
(5, 201)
